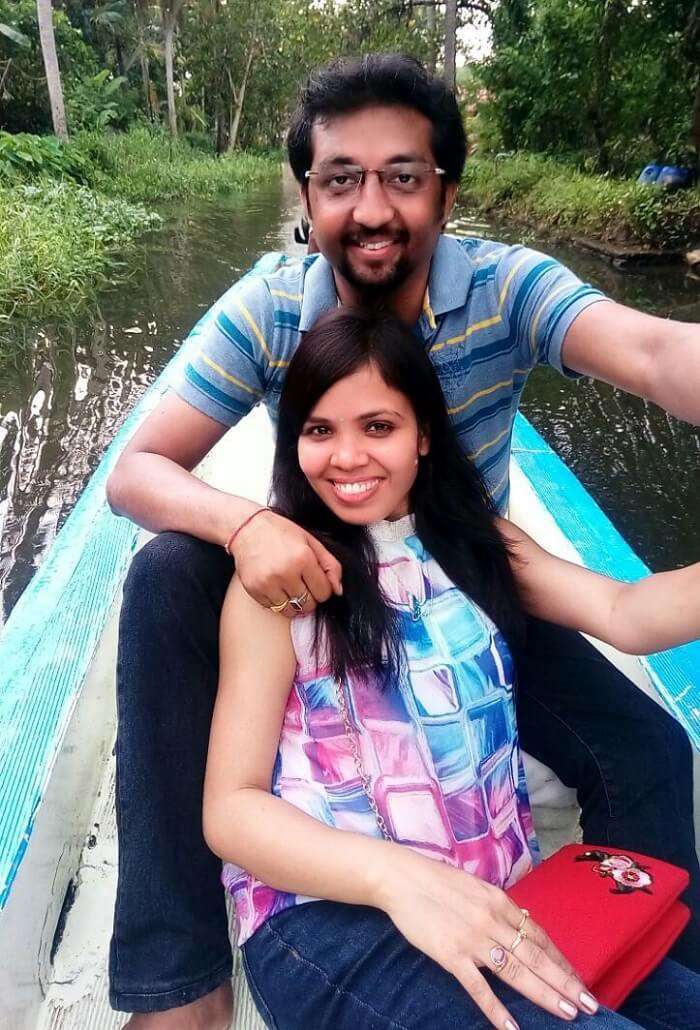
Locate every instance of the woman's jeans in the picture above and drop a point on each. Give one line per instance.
(630, 762)
(327, 966)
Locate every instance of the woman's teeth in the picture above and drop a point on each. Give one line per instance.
(355, 488)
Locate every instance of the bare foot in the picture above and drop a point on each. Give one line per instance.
(212, 1012)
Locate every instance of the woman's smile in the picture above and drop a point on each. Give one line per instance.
(355, 491)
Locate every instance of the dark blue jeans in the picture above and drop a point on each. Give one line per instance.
(327, 966)
(630, 762)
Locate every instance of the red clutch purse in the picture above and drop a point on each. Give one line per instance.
(614, 914)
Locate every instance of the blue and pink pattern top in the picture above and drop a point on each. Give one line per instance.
(440, 747)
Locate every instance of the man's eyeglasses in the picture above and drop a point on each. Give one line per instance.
(400, 179)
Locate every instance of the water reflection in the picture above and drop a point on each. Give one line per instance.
(65, 388)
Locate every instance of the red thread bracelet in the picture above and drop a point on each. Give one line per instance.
(229, 543)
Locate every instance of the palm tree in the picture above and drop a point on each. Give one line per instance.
(53, 73)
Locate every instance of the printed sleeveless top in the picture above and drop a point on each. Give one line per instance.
(440, 747)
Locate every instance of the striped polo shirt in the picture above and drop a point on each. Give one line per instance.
(491, 312)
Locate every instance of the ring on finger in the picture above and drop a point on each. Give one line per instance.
(498, 957)
(525, 917)
(297, 603)
(520, 936)
(279, 607)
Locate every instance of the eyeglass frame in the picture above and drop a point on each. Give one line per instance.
(378, 172)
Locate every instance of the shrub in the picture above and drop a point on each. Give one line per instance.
(23, 155)
(57, 241)
(562, 199)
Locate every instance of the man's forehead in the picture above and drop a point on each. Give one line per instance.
(373, 136)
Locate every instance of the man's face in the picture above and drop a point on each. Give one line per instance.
(375, 240)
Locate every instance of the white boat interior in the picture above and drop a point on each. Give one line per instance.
(58, 846)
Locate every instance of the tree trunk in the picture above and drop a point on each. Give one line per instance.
(430, 23)
(171, 11)
(119, 54)
(239, 97)
(53, 74)
(612, 14)
(168, 39)
(143, 59)
(450, 74)
(695, 124)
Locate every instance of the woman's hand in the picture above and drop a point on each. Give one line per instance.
(276, 560)
(458, 920)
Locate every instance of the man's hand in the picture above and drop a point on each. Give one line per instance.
(277, 560)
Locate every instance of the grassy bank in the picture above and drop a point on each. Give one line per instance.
(68, 214)
(561, 200)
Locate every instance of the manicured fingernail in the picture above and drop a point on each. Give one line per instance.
(568, 1009)
(510, 1025)
(588, 1001)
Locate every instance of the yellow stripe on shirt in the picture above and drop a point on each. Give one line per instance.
(227, 375)
(259, 336)
(288, 296)
(540, 310)
(489, 389)
(491, 443)
(487, 322)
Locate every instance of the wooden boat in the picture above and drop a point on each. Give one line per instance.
(57, 717)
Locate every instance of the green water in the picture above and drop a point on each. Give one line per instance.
(66, 387)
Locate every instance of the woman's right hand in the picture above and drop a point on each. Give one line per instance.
(457, 919)
(276, 559)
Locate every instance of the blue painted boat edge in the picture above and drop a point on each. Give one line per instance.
(52, 634)
(676, 673)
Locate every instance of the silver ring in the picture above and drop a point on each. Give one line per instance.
(498, 957)
(297, 603)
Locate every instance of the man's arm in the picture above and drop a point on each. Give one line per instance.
(651, 357)
(152, 483)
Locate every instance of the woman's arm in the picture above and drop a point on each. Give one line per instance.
(447, 913)
(243, 822)
(657, 612)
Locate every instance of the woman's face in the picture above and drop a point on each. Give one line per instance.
(359, 449)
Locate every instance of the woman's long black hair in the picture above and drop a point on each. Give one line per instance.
(455, 517)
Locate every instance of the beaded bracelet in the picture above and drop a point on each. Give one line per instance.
(229, 543)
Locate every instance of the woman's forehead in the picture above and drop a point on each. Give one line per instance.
(359, 393)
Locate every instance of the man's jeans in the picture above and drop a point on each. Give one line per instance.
(630, 762)
(327, 966)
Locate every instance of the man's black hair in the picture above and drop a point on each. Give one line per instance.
(393, 80)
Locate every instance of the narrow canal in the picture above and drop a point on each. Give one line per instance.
(66, 386)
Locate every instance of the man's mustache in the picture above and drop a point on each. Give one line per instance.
(357, 239)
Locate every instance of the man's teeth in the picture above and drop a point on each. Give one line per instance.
(377, 246)
(356, 488)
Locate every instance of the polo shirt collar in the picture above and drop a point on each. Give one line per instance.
(448, 283)
(319, 293)
(449, 278)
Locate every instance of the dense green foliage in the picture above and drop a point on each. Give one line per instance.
(565, 201)
(609, 82)
(60, 238)
(111, 56)
(57, 243)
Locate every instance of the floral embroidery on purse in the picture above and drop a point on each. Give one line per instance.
(629, 876)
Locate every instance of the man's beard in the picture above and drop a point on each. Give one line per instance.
(375, 295)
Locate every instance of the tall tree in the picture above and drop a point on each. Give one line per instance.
(170, 13)
(451, 44)
(44, 14)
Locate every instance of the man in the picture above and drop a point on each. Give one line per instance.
(378, 149)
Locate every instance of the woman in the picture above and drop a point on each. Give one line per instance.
(366, 754)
